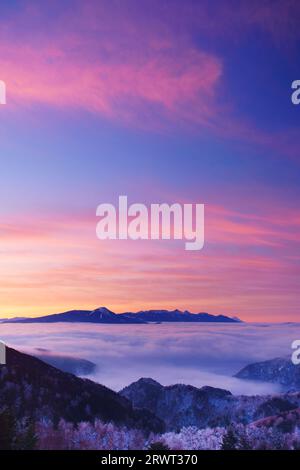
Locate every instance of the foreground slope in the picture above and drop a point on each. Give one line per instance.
(32, 388)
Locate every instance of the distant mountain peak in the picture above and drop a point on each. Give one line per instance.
(102, 312)
(104, 315)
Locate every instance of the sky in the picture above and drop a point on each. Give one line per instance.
(162, 101)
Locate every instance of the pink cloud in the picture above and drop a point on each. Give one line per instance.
(140, 67)
(161, 80)
(56, 263)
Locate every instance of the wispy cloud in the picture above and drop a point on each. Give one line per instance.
(139, 68)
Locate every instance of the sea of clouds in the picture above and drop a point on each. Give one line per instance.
(196, 354)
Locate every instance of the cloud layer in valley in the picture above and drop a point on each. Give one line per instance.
(179, 353)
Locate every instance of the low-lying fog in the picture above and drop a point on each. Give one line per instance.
(196, 354)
